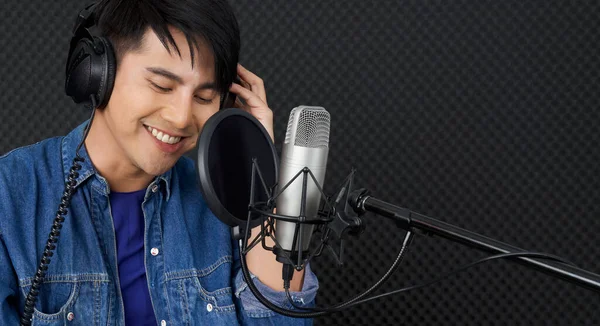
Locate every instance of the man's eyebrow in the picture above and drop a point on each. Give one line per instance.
(167, 74)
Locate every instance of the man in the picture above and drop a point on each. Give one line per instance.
(139, 245)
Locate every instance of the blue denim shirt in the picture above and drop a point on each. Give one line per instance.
(194, 279)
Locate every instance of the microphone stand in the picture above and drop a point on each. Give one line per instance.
(361, 202)
(341, 222)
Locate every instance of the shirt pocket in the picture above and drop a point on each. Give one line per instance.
(72, 299)
(203, 298)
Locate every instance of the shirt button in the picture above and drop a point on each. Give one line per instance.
(154, 251)
(70, 316)
(163, 323)
(209, 307)
(155, 188)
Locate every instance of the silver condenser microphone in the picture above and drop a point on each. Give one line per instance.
(306, 145)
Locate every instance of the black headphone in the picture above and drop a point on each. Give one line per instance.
(91, 64)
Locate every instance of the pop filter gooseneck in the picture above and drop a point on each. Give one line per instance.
(228, 143)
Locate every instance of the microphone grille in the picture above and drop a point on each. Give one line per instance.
(312, 125)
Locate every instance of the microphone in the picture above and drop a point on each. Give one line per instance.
(235, 149)
(306, 145)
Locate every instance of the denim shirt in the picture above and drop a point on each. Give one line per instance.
(192, 264)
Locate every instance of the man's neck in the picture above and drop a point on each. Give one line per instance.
(111, 162)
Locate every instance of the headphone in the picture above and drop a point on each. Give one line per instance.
(91, 65)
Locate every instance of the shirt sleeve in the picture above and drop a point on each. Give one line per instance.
(9, 314)
(253, 312)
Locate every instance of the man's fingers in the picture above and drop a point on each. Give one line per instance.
(252, 99)
(256, 84)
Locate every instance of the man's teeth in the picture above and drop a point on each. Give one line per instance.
(163, 137)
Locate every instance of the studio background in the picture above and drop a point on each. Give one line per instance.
(483, 114)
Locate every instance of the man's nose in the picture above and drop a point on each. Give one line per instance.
(179, 113)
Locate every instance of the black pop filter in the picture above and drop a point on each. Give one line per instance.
(229, 141)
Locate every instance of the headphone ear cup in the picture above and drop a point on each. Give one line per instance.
(91, 71)
(77, 82)
(110, 66)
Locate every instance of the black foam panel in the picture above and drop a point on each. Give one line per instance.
(484, 114)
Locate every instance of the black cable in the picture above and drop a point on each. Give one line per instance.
(51, 244)
(445, 276)
(405, 244)
(353, 302)
(265, 301)
(317, 312)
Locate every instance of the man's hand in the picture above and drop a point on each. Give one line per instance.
(252, 97)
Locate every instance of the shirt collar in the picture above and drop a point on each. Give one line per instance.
(68, 149)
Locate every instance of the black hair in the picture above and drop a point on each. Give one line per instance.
(213, 22)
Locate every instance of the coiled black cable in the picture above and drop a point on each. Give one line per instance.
(51, 244)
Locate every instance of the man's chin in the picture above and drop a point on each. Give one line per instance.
(157, 170)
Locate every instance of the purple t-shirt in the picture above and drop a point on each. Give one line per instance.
(126, 208)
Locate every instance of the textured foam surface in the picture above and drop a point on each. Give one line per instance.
(483, 114)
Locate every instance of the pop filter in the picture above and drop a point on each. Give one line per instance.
(228, 143)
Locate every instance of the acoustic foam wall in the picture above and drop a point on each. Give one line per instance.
(483, 114)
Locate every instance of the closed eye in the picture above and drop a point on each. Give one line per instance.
(199, 99)
(203, 100)
(162, 89)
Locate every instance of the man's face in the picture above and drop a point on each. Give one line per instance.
(159, 95)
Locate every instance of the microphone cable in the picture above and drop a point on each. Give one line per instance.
(319, 312)
(452, 273)
(405, 244)
(26, 318)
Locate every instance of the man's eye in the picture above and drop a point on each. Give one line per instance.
(203, 100)
(162, 89)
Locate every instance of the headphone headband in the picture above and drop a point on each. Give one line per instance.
(85, 18)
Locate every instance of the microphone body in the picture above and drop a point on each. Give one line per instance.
(306, 145)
